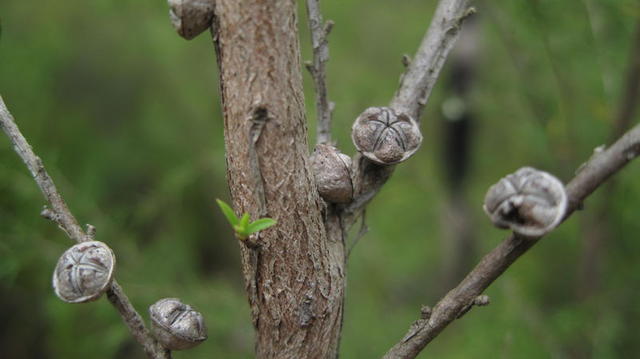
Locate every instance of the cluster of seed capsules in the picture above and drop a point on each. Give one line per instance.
(85, 272)
(530, 202)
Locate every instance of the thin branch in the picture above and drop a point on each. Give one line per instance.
(135, 323)
(601, 166)
(60, 214)
(423, 71)
(631, 91)
(415, 87)
(598, 226)
(319, 33)
(364, 229)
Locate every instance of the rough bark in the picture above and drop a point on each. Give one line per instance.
(295, 279)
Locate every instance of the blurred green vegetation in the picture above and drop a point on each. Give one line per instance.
(126, 117)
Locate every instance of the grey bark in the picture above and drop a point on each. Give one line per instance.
(421, 76)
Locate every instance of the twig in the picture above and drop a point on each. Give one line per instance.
(134, 321)
(415, 87)
(631, 91)
(423, 71)
(319, 33)
(361, 232)
(60, 214)
(598, 226)
(598, 169)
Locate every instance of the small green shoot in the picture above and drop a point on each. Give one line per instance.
(243, 227)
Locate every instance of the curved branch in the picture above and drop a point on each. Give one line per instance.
(60, 214)
(601, 166)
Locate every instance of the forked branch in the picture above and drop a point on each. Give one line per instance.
(59, 213)
(601, 166)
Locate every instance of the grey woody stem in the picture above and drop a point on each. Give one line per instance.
(601, 166)
(59, 213)
(423, 71)
(319, 32)
(135, 323)
(415, 87)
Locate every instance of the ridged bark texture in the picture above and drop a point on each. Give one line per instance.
(295, 280)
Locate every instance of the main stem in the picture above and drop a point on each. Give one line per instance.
(295, 279)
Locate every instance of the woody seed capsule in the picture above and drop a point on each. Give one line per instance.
(384, 136)
(332, 171)
(177, 326)
(529, 201)
(84, 272)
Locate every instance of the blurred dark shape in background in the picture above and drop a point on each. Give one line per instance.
(458, 241)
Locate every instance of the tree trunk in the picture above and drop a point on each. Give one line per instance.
(295, 279)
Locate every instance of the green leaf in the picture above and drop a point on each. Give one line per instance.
(228, 212)
(242, 227)
(244, 222)
(260, 224)
(241, 233)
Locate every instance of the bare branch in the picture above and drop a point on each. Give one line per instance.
(601, 166)
(134, 321)
(319, 33)
(598, 226)
(631, 91)
(415, 87)
(423, 71)
(361, 232)
(60, 214)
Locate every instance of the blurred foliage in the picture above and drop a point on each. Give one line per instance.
(126, 116)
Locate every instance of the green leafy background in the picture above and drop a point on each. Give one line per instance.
(126, 116)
